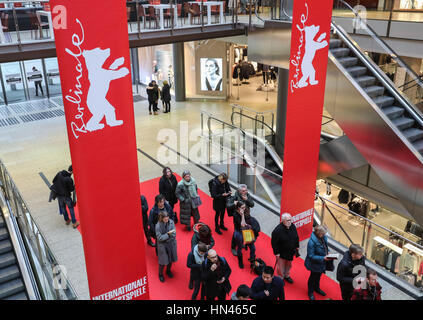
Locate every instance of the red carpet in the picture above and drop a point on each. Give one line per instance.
(177, 287)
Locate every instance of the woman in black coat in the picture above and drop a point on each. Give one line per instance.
(285, 244)
(167, 187)
(220, 191)
(165, 96)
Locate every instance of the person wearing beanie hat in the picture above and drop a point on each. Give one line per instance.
(186, 192)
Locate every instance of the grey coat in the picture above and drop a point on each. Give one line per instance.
(186, 205)
(166, 245)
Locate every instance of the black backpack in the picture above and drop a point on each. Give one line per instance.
(257, 266)
(211, 185)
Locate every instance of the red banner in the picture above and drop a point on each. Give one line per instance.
(307, 77)
(93, 54)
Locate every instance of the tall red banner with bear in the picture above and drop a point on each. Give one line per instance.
(307, 76)
(93, 55)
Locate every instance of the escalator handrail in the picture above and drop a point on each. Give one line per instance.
(381, 42)
(353, 46)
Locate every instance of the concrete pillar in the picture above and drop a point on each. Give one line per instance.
(283, 79)
(179, 71)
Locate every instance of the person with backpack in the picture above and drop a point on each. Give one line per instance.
(242, 221)
(285, 244)
(215, 274)
(219, 191)
(194, 263)
(62, 188)
(240, 195)
(267, 286)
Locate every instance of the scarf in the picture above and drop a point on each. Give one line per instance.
(198, 258)
(191, 187)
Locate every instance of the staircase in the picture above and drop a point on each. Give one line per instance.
(11, 284)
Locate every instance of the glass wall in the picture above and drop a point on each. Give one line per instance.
(53, 77)
(35, 81)
(13, 82)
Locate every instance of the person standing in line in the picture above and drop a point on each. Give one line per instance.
(242, 221)
(267, 286)
(220, 191)
(242, 293)
(240, 195)
(371, 291)
(167, 187)
(147, 233)
(215, 275)
(345, 273)
(166, 244)
(165, 95)
(159, 205)
(285, 244)
(186, 192)
(204, 235)
(153, 96)
(194, 262)
(315, 262)
(38, 83)
(63, 186)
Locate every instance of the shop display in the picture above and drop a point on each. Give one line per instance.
(359, 206)
(386, 254)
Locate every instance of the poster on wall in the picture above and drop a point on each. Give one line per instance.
(94, 63)
(211, 74)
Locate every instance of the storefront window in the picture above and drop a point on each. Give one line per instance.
(13, 82)
(53, 77)
(35, 79)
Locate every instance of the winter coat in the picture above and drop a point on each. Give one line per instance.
(212, 288)
(186, 205)
(344, 273)
(276, 289)
(237, 221)
(166, 244)
(230, 202)
(153, 94)
(168, 188)
(316, 253)
(63, 184)
(153, 218)
(144, 206)
(165, 93)
(285, 241)
(195, 273)
(196, 239)
(217, 191)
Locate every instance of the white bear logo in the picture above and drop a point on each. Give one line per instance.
(311, 46)
(100, 78)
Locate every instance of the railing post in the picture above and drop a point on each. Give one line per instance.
(366, 244)
(255, 179)
(15, 19)
(323, 212)
(201, 15)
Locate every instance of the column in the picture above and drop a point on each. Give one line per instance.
(179, 71)
(283, 78)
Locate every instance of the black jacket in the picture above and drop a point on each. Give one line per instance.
(230, 202)
(276, 289)
(165, 93)
(195, 268)
(153, 94)
(196, 239)
(167, 188)
(285, 241)
(153, 218)
(63, 184)
(217, 191)
(144, 206)
(237, 220)
(344, 273)
(210, 278)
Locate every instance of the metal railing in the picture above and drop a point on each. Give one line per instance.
(50, 276)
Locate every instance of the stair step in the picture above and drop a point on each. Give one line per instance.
(19, 296)
(393, 112)
(366, 81)
(2, 223)
(348, 61)
(357, 71)
(5, 246)
(3, 233)
(340, 52)
(7, 259)
(374, 91)
(384, 101)
(403, 123)
(10, 288)
(334, 43)
(413, 134)
(419, 146)
(9, 273)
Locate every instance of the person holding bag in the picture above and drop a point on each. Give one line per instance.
(166, 244)
(187, 193)
(243, 233)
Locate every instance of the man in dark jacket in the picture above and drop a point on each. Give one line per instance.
(345, 274)
(144, 206)
(195, 262)
(285, 244)
(153, 96)
(215, 274)
(160, 205)
(240, 195)
(220, 191)
(63, 187)
(267, 286)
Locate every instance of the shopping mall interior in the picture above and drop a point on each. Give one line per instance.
(368, 188)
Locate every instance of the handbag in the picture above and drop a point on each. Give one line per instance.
(197, 201)
(248, 236)
(330, 266)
